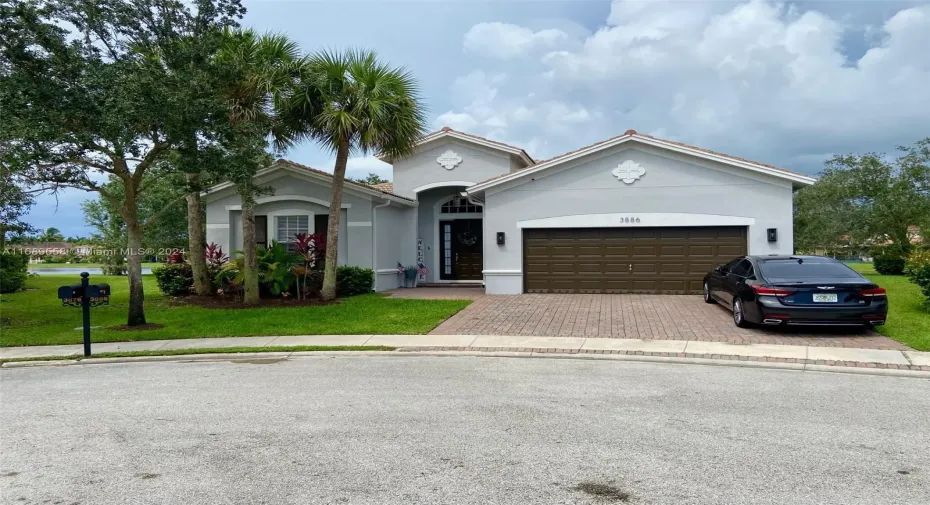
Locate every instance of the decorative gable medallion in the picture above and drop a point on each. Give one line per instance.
(449, 159)
(629, 171)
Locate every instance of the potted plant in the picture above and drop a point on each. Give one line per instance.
(409, 273)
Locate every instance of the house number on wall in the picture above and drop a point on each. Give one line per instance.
(629, 171)
(449, 159)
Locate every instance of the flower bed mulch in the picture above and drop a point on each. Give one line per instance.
(234, 302)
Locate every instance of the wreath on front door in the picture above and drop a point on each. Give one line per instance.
(467, 238)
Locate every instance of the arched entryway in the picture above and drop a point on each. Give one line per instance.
(461, 245)
(449, 235)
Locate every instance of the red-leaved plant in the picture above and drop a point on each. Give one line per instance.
(175, 258)
(311, 247)
(215, 257)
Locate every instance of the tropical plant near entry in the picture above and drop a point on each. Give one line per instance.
(353, 103)
(215, 256)
(275, 267)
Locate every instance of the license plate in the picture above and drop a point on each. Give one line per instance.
(824, 297)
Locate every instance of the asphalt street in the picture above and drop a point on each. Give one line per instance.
(459, 430)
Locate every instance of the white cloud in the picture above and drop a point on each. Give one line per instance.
(506, 41)
(755, 78)
(456, 121)
(361, 166)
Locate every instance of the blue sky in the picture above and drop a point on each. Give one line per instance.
(788, 84)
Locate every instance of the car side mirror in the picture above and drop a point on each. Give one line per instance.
(720, 269)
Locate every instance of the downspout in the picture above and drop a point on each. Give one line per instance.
(374, 238)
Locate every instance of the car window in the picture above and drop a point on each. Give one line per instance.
(751, 274)
(731, 265)
(791, 269)
(741, 268)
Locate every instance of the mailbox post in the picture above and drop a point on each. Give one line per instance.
(85, 312)
(85, 295)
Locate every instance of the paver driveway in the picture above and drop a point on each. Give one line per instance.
(649, 317)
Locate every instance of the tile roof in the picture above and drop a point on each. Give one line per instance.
(387, 187)
(482, 139)
(376, 187)
(634, 133)
(631, 133)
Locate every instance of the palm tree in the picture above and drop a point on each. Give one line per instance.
(352, 103)
(266, 68)
(51, 234)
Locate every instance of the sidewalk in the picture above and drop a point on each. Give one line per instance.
(768, 353)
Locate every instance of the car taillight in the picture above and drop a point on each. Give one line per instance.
(873, 293)
(762, 290)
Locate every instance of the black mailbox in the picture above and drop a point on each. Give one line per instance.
(98, 291)
(70, 292)
(85, 296)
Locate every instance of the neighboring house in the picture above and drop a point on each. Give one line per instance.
(633, 213)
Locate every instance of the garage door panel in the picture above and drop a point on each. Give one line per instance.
(730, 250)
(672, 268)
(625, 260)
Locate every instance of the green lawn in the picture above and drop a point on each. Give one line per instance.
(908, 313)
(53, 266)
(36, 317)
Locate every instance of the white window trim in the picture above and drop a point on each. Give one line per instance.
(273, 221)
(289, 198)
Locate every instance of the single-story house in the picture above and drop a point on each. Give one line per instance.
(632, 213)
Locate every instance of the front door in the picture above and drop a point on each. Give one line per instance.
(460, 250)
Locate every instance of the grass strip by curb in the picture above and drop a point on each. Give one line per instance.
(211, 350)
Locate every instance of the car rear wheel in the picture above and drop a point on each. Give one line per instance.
(739, 319)
(707, 297)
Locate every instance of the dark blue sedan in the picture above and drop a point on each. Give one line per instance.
(795, 290)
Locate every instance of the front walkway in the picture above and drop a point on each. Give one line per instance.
(648, 317)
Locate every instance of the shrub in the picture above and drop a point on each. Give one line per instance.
(275, 266)
(13, 271)
(917, 270)
(275, 272)
(174, 279)
(351, 281)
(889, 260)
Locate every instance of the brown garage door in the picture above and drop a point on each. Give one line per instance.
(626, 260)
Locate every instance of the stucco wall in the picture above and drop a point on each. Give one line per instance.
(478, 164)
(355, 234)
(672, 184)
(395, 242)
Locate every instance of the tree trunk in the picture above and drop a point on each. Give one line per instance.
(332, 227)
(195, 239)
(134, 258)
(249, 252)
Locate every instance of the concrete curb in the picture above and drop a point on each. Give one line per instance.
(233, 357)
